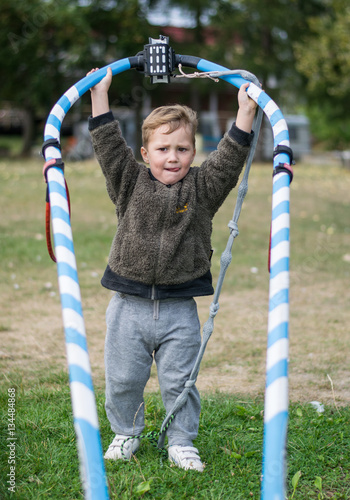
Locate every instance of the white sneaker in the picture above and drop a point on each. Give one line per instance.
(185, 457)
(122, 447)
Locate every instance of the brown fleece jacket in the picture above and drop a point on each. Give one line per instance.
(163, 235)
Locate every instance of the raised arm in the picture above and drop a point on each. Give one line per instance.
(116, 159)
(220, 172)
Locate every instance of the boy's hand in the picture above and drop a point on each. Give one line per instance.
(104, 84)
(246, 109)
(99, 93)
(244, 101)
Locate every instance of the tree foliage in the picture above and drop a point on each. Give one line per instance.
(323, 54)
(258, 35)
(46, 46)
(323, 57)
(39, 44)
(299, 50)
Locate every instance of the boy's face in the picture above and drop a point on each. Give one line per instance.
(169, 155)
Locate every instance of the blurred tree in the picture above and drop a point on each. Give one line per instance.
(323, 57)
(258, 35)
(39, 42)
(46, 46)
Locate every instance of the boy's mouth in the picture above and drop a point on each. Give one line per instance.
(172, 169)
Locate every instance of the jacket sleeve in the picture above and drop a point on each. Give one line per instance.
(219, 173)
(116, 159)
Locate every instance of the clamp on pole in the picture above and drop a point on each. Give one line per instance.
(58, 163)
(157, 60)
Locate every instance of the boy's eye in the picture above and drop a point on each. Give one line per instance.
(181, 150)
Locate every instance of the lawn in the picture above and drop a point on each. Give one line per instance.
(232, 375)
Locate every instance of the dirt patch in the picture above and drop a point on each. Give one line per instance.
(234, 361)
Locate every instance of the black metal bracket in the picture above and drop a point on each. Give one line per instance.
(158, 60)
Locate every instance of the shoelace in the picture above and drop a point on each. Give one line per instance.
(117, 443)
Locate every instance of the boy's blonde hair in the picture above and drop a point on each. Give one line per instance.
(174, 116)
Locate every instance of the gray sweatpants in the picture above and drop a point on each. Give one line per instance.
(137, 330)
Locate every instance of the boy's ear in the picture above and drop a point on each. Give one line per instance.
(144, 154)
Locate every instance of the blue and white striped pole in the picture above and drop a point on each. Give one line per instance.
(81, 386)
(82, 394)
(276, 393)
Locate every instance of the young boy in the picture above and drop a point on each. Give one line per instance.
(160, 260)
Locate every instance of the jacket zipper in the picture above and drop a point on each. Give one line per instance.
(170, 195)
(155, 303)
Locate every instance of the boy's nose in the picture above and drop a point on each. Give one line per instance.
(172, 155)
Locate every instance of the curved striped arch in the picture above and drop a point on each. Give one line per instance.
(83, 400)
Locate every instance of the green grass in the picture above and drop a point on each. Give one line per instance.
(231, 426)
(230, 441)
